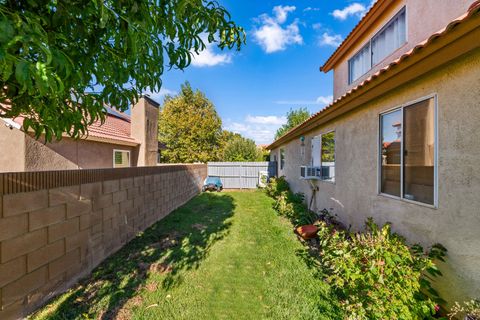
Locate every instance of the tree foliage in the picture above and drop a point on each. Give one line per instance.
(238, 149)
(294, 118)
(55, 54)
(190, 127)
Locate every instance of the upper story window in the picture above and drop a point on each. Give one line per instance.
(391, 37)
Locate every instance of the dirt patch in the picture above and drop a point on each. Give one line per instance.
(151, 287)
(160, 267)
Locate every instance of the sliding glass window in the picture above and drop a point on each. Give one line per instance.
(408, 152)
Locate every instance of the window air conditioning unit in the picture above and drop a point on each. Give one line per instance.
(308, 172)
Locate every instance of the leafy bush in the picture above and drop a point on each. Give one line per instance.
(470, 308)
(276, 186)
(377, 275)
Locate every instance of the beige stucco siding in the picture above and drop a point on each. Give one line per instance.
(456, 221)
(424, 18)
(12, 151)
(71, 154)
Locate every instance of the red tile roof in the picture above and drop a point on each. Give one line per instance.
(115, 129)
(474, 9)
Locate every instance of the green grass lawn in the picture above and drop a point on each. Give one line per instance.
(221, 256)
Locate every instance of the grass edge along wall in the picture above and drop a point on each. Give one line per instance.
(354, 196)
(52, 236)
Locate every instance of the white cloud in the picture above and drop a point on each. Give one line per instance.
(354, 9)
(316, 26)
(208, 57)
(272, 36)
(261, 129)
(281, 12)
(158, 96)
(310, 9)
(322, 100)
(266, 120)
(333, 40)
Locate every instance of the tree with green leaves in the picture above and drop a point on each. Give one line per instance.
(294, 118)
(61, 61)
(239, 149)
(190, 127)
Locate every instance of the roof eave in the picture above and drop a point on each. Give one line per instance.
(457, 39)
(370, 17)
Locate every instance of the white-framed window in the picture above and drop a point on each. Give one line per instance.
(121, 158)
(391, 37)
(323, 155)
(408, 152)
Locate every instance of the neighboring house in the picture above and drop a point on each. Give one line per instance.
(121, 141)
(400, 141)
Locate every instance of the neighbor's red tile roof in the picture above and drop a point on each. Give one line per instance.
(116, 128)
(474, 9)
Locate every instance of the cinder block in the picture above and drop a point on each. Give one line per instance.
(63, 195)
(85, 221)
(126, 183)
(119, 196)
(13, 311)
(79, 208)
(19, 289)
(76, 241)
(24, 244)
(90, 190)
(102, 201)
(139, 181)
(24, 202)
(12, 270)
(61, 265)
(126, 206)
(111, 211)
(133, 193)
(13, 226)
(63, 229)
(45, 217)
(111, 186)
(44, 255)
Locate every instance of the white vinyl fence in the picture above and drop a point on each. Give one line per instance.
(241, 175)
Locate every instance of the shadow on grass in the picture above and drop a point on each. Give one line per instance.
(329, 305)
(177, 243)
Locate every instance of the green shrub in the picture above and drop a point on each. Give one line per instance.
(470, 308)
(377, 275)
(292, 206)
(276, 186)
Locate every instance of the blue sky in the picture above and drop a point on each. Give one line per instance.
(278, 69)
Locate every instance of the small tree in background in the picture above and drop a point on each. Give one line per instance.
(294, 118)
(239, 149)
(190, 127)
(54, 52)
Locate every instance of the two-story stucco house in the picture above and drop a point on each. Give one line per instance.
(400, 142)
(121, 141)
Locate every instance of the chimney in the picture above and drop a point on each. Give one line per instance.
(144, 129)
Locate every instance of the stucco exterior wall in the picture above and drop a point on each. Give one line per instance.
(354, 195)
(71, 154)
(145, 130)
(424, 18)
(12, 151)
